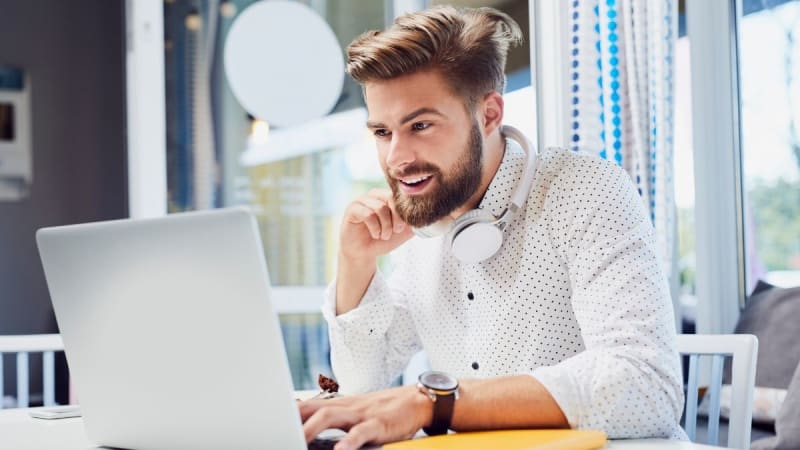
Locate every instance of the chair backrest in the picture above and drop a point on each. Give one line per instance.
(22, 346)
(743, 349)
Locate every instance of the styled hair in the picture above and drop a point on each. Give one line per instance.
(468, 46)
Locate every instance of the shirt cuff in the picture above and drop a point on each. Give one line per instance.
(370, 319)
(562, 387)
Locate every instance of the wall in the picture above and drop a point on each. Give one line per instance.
(74, 53)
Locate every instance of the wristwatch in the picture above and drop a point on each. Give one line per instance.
(442, 389)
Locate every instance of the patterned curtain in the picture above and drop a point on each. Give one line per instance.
(621, 87)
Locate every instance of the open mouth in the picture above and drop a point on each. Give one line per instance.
(415, 184)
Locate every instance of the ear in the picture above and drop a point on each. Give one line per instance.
(492, 112)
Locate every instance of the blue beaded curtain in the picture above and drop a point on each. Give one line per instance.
(621, 96)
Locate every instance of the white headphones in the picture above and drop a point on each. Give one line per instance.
(477, 235)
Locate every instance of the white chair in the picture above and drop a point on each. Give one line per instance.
(22, 346)
(743, 348)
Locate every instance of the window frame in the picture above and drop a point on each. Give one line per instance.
(146, 114)
(713, 32)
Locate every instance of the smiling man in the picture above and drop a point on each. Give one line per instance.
(568, 324)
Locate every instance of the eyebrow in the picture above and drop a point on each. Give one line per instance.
(408, 117)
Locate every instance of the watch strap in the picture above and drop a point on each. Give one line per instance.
(442, 414)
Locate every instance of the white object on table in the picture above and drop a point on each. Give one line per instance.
(55, 412)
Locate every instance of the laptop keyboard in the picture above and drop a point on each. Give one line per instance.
(322, 444)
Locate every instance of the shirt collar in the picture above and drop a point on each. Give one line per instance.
(498, 196)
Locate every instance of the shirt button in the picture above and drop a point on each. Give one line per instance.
(470, 296)
(475, 365)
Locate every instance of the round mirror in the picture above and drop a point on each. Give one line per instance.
(283, 62)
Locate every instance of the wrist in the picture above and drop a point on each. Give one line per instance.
(441, 390)
(351, 267)
(423, 407)
(356, 262)
(352, 280)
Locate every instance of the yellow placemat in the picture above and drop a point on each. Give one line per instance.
(508, 440)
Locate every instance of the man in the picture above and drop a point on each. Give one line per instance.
(569, 324)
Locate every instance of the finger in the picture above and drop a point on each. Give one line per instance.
(386, 195)
(360, 213)
(384, 213)
(399, 223)
(309, 407)
(373, 225)
(404, 235)
(368, 431)
(329, 417)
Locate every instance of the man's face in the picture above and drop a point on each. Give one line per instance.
(430, 147)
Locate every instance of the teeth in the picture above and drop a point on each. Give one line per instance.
(415, 180)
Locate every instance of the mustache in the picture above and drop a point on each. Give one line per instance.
(415, 169)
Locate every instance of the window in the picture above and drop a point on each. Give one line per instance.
(218, 155)
(770, 100)
(686, 260)
(712, 176)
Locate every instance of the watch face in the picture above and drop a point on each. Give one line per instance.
(439, 381)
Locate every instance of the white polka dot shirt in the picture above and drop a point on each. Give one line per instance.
(575, 297)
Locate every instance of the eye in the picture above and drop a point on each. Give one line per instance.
(419, 126)
(381, 132)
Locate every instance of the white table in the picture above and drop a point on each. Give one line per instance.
(19, 431)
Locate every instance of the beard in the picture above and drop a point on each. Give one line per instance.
(450, 190)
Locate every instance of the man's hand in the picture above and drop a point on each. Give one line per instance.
(370, 228)
(515, 401)
(377, 418)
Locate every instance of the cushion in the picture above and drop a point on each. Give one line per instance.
(772, 314)
(787, 424)
(766, 403)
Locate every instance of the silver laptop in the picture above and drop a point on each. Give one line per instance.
(169, 333)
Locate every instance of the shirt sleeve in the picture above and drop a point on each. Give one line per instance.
(371, 344)
(627, 382)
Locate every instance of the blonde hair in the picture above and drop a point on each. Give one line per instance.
(467, 46)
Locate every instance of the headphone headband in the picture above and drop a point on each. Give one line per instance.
(522, 189)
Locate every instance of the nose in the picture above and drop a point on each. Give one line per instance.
(400, 153)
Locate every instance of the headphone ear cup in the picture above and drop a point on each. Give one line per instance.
(471, 217)
(475, 237)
